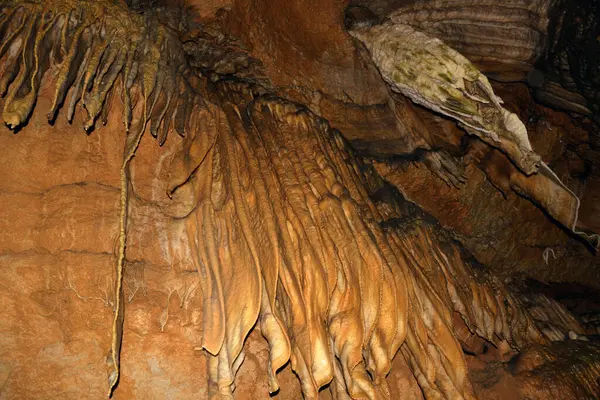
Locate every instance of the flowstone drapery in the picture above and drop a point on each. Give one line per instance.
(290, 233)
(433, 74)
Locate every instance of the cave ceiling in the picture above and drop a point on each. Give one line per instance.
(207, 195)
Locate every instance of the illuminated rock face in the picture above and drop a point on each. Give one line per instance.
(434, 75)
(254, 238)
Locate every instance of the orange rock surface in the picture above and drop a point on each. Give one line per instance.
(250, 249)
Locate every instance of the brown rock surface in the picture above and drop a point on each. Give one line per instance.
(482, 211)
(59, 225)
(504, 38)
(257, 241)
(303, 46)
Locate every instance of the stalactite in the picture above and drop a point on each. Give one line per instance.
(94, 43)
(117, 329)
(288, 236)
(347, 289)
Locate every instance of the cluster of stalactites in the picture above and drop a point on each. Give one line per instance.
(289, 240)
(286, 237)
(91, 46)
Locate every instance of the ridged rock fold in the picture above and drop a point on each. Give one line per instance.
(287, 230)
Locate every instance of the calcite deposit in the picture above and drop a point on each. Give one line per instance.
(256, 248)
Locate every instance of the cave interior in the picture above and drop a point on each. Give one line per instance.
(343, 199)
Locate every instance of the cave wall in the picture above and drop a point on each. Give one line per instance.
(60, 213)
(59, 219)
(507, 46)
(60, 206)
(482, 209)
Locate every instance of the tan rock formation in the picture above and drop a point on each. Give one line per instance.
(258, 219)
(504, 39)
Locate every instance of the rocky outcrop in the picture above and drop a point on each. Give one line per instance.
(504, 39)
(434, 75)
(551, 44)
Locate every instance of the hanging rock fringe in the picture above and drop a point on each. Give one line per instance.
(288, 236)
(97, 46)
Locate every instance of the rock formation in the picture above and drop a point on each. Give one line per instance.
(260, 218)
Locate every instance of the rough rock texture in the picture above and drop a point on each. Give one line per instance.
(504, 39)
(432, 74)
(535, 373)
(310, 59)
(571, 57)
(537, 248)
(303, 47)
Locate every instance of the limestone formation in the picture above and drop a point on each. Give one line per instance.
(569, 59)
(504, 39)
(271, 222)
(436, 76)
(432, 74)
